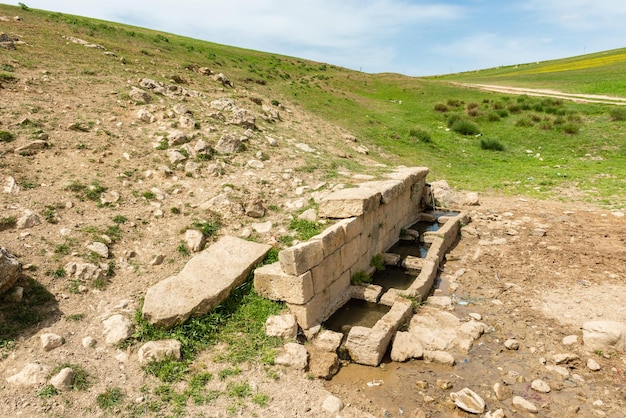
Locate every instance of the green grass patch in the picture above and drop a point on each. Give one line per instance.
(111, 398)
(491, 144)
(6, 136)
(305, 229)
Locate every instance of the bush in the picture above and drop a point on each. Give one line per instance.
(491, 144)
(440, 107)
(454, 118)
(617, 114)
(493, 117)
(524, 123)
(571, 128)
(465, 127)
(420, 134)
(514, 108)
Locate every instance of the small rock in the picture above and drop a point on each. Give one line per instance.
(304, 147)
(50, 341)
(228, 144)
(194, 239)
(476, 316)
(263, 227)
(604, 335)
(14, 295)
(28, 220)
(468, 400)
(99, 248)
(444, 384)
(284, 326)
(117, 328)
(570, 340)
(564, 358)
(593, 365)
(308, 215)
(294, 355)
(63, 379)
(332, 404)
(159, 350)
(88, 342)
(322, 364)
(440, 357)
(511, 344)
(254, 208)
(498, 413)
(328, 340)
(32, 374)
(406, 346)
(525, 405)
(540, 386)
(502, 391)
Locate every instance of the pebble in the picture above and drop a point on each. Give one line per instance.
(525, 405)
(502, 391)
(570, 340)
(540, 386)
(476, 316)
(511, 344)
(593, 365)
(468, 400)
(332, 404)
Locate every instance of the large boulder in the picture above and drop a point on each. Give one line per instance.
(205, 281)
(10, 270)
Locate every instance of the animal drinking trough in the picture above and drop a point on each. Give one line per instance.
(314, 277)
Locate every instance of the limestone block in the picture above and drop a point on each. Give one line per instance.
(272, 282)
(391, 259)
(406, 346)
(352, 227)
(32, 374)
(346, 203)
(205, 281)
(159, 350)
(410, 175)
(440, 357)
(312, 313)
(413, 263)
(63, 379)
(604, 335)
(436, 252)
(369, 293)
(339, 286)
(300, 258)
(351, 252)
(424, 281)
(117, 328)
(332, 239)
(326, 272)
(389, 189)
(50, 341)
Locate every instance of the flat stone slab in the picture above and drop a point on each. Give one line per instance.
(205, 281)
(347, 203)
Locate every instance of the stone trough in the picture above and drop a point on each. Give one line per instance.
(316, 277)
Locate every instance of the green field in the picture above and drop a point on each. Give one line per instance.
(543, 145)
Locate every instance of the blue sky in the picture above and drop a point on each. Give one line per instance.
(411, 37)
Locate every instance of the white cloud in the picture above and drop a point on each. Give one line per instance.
(580, 15)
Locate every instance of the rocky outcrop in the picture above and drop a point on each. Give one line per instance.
(205, 281)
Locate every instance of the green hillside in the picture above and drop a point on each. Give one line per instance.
(598, 73)
(510, 144)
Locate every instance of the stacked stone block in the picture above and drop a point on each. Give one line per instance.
(313, 277)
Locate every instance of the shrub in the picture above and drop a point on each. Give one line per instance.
(453, 118)
(360, 278)
(440, 107)
(571, 128)
(514, 108)
(497, 106)
(617, 114)
(110, 398)
(465, 127)
(420, 134)
(472, 105)
(524, 123)
(454, 102)
(503, 113)
(493, 117)
(491, 144)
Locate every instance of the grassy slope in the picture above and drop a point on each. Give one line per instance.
(382, 109)
(598, 73)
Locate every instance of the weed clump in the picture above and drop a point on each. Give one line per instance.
(617, 115)
(419, 134)
(465, 127)
(491, 144)
(440, 107)
(6, 136)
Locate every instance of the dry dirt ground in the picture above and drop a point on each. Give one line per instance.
(547, 286)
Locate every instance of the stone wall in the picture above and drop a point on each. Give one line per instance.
(313, 277)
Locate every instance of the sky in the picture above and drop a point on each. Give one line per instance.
(411, 37)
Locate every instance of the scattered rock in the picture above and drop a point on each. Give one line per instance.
(32, 374)
(117, 328)
(308, 215)
(11, 186)
(63, 379)
(564, 358)
(88, 342)
(283, 326)
(502, 391)
(194, 239)
(99, 248)
(498, 413)
(570, 340)
(32, 147)
(139, 95)
(14, 295)
(511, 344)
(332, 404)
(406, 346)
(254, 208)
(604, 335)
(328, 340)
(593, 365)
(304, 147)
(322, 364)
(540, 386)
(524, 405)
(228, 144)
(263, 227)
(469, 401)
(50, 341)
(10, 270)
(159, 350)
(294, 355)
(440, 357)
(28, 220)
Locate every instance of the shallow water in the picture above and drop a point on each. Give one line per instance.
(355, 312)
